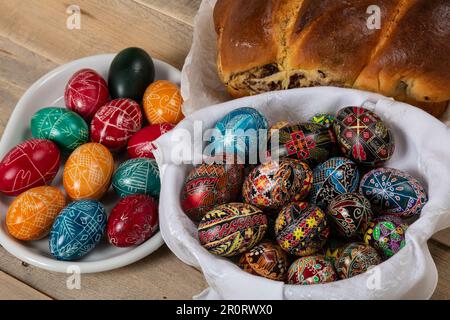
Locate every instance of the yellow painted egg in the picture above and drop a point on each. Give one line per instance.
(88, 172)
(162, 103)
(31, 215)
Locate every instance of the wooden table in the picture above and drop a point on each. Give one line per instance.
(33, 40)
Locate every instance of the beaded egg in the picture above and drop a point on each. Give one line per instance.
(31, 215)
(30, 164)
(333, 177)
(324, 119)
(393, 192)
(60, 125)
(115, 123)
(88, 172)
(356, 258)
(311, 270)
(209, 185)
(301, 228)
(77, 230)
(387, 234)
(363, 136)
(308, 142)
(350, 214)
(137, 176)
(273, 184)
(231, 229)
(141, 144)
(266, 260)
(162, 103)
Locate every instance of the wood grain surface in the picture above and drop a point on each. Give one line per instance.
(33, 40)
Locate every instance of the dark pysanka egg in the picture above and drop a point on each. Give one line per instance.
(209, 185)
(311, 270)
(356, 258)
(231, 229)
(363, 136)
(393, 192)
(130, 73)
(141, 144)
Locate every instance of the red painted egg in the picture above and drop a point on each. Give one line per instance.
(86, 92)
(32, 163)
(132, 221)
(141, 143)
(115, 123)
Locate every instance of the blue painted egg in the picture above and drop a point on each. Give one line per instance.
(332, 178)
(393, 192)
(137, 176)
(77, 230)
(233, 132)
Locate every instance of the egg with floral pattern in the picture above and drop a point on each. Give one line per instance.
(356, 258)
(162, 103)
(311, 270)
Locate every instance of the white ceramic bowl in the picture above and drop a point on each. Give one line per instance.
(49, 91)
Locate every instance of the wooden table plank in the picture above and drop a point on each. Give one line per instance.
(441, 256)
(183, 10)
(13, 289)
(443, 237)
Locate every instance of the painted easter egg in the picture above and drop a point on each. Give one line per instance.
(115, 123)
(324, 119)
(356, 258)
(141, 144)
(363, 137)
(231, 229)
(301, 228)
(273, 184)
(86, 92)
(311, 270)
(309, 142)
(32, 163)
(162, 103)
(130, 73)
(88, 171)
(62, 126)
(238, 133)
(387, 234)
(393, 192)
(350, 214)
(266, 260)
(31, 215)
(137, 176)
(77, 230)
(209, 185)
(333, 248)
(133, 221)
(333, 177)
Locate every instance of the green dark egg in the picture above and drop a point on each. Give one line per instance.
(130, 73)
(60, 125)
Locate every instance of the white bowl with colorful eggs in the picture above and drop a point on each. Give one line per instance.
(79, 184)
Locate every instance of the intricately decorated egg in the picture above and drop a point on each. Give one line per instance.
(356, 258)
(308, 142)
(311, 270)
(141, 144)
(238, 133)
(62, 126)
(274, 184)
(130, 73)
(77, 230)
(333, 248)
(324, 119)
(86, 92)
(363, 136)
(132, 221)
(88, 172)
(231, 229)
(137, 176)
(387, 234)
(393, 192)
(30, 164)
(31, 215)
(162, 103)
(266, 260)
(115, 123)
(209, 185)
(333, 177)
(350, 214)
(301, 228)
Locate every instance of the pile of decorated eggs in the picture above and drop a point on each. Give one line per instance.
(317, 209)
(101, 120)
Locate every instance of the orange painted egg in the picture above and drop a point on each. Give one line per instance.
(31, 215)
(162, 103)
(88, 172)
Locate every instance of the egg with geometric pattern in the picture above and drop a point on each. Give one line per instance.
(311, 270)
(356, 258)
